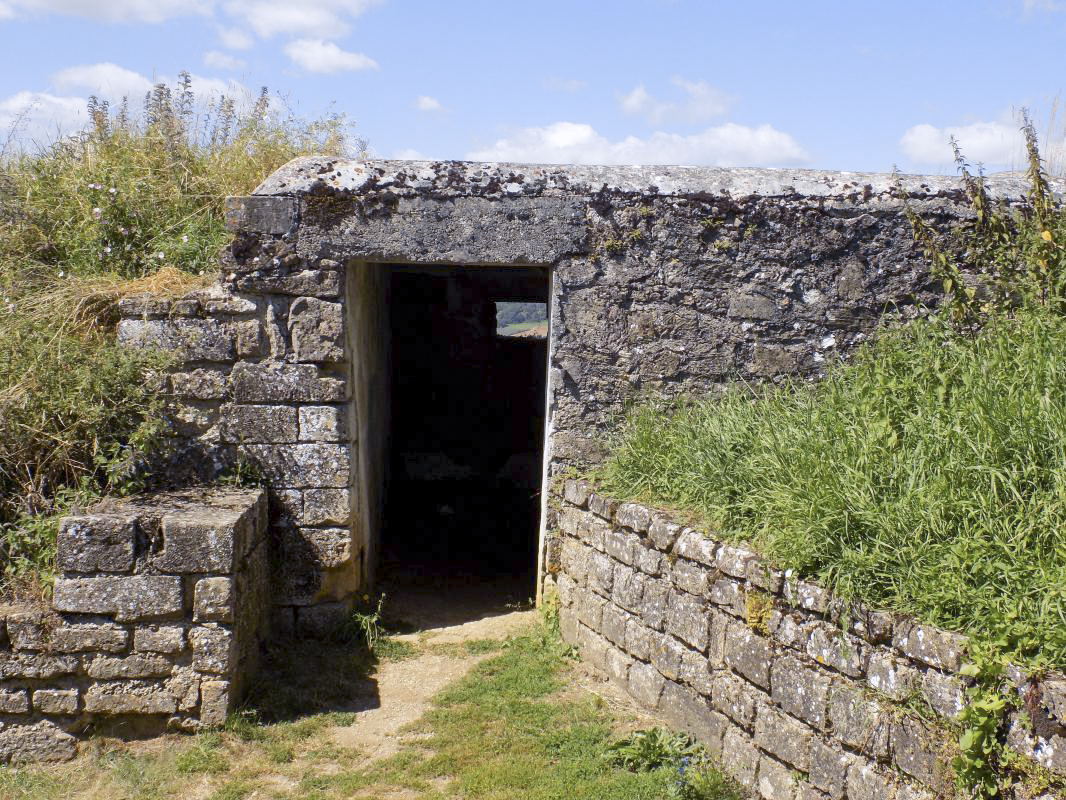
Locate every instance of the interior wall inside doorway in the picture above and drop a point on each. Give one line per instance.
(467, 421)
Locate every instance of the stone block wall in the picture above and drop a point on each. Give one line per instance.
(155, 623)
(799, 696)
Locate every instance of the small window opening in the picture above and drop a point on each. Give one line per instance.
(522, 320)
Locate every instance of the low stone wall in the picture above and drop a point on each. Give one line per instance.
(155, 623)
(799, 696)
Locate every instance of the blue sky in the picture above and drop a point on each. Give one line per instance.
(827, 84)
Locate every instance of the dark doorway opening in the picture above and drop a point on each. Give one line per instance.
(462, 511)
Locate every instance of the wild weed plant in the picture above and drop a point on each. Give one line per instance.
(133, 203)
(927, 475)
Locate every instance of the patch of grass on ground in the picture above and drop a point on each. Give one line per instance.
(513, 728)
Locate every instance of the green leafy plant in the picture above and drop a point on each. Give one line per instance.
(651, 749)
(1007, 256)
(978, 765)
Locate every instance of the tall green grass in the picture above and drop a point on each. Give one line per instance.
(133, 203)
(928, 475)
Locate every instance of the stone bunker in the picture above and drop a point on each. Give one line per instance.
(349, 353)
(349, 356)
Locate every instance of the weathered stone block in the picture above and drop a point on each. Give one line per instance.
(945, 693)
(620, 546)
(689, 577)
(323, 424)
(937, 648)
(787, 629)
(628, 589)
(858, 721)
(832, 647)
(200, 384)
(129, 598)
(42, 741)
(138, 665)
(645, 684)
(593, 647)
(808, 596)
(918, 752)
(775, 781)
(272, 382)
(184, 687)
(259, 424)
(866, 782)
(734, 698)
(316, 328)
(576, 492)
(829, 769)
(762, 576)
(633, 516)
(55, 701)
(749, 654)
(666, 655)
(321, 547)
(686, 618)
(590, 610)
(129, 697)
(326, 507)
(694, 546)
(697, 672)
(655, 595)
(638, 638)
(740, 758)
(303, 465)
(14, 701)
(734, 560)
(802, 692)
(190, 339)
(214, 649)
(324, 283)
(213, 600)
(199, 542)
(34, 666)
(785, 738)
(729, 594)
(613, 624)
(215, 702)
(891, 676)
(97, 543)
(663, 532)
(261, 214)
(648, 560)
(159, 639)
(685, 709)
(617, 665)
(81, 637)
(602, 507)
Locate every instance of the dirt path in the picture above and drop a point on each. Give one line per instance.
(405, 687)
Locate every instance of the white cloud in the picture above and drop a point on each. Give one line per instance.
(6, 11)
(316, 55)
(235, 38)
(39, 118)
(105, 80)
(573, 143)
(999, 143)
(325, 19)
(410, 154)
(699, 103)
(1043, 5)
(564, 85)
(116, 10)
(426, 103)
(218, 60)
